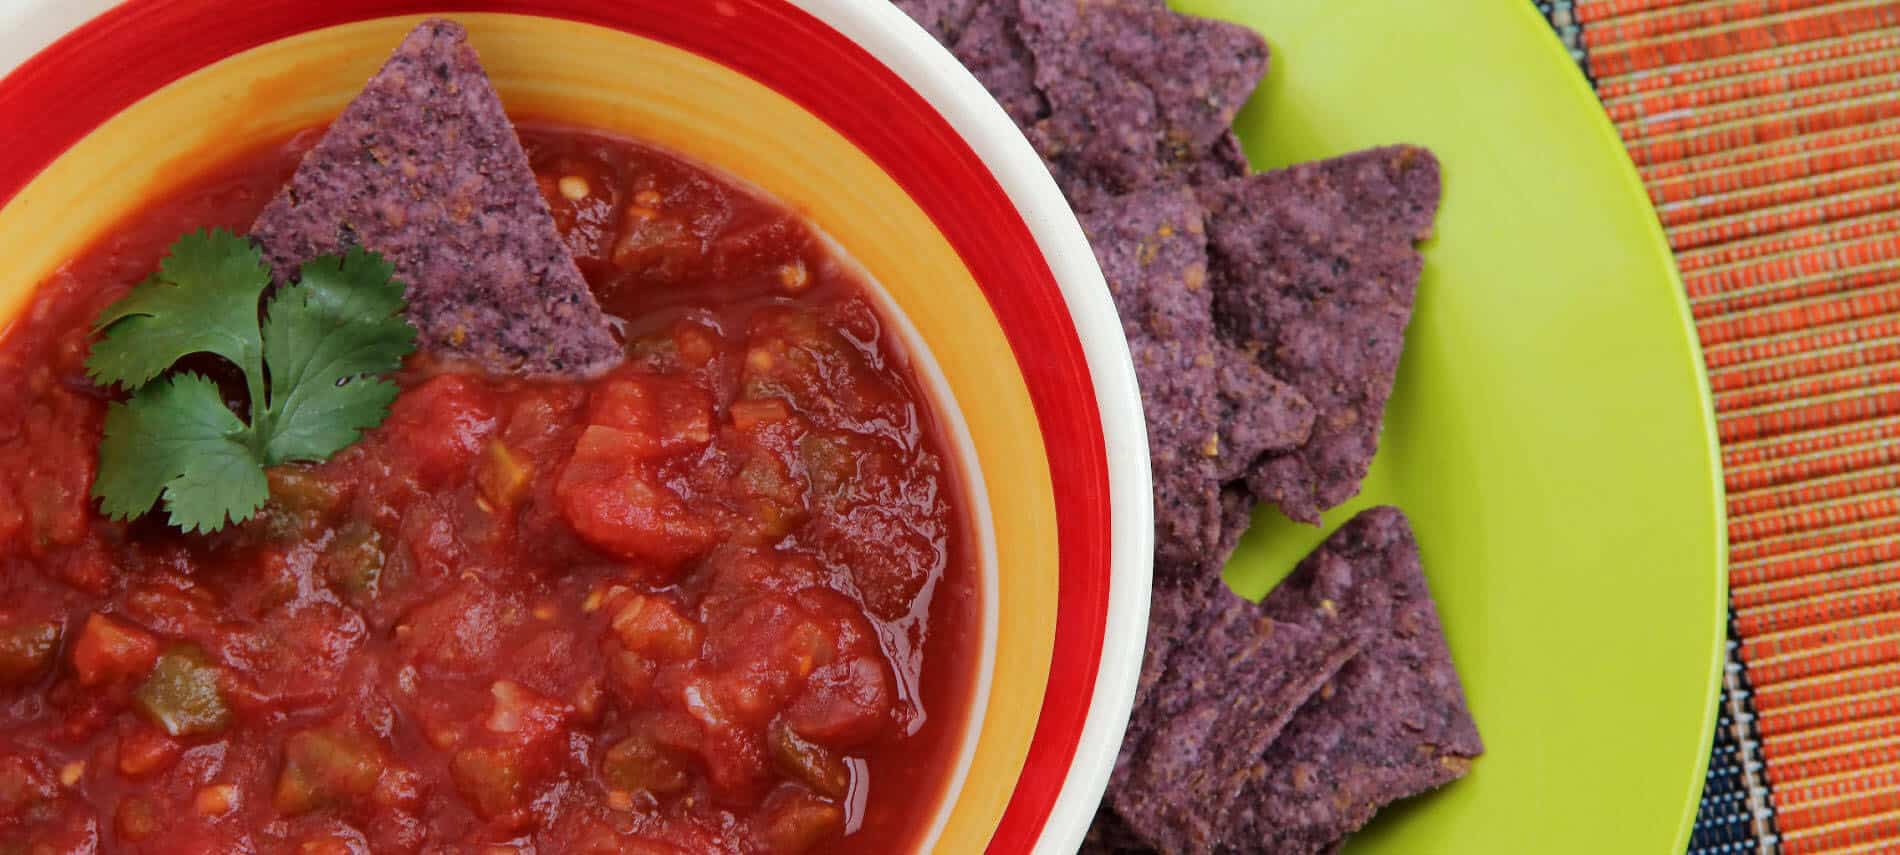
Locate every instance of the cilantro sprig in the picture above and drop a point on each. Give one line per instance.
(312, 366)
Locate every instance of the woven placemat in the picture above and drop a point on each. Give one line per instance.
(1768, 132)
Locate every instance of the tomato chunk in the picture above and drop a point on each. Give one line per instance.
(108, 650)
(620, 506)
(653, 626)
(439, 426)
(658, 415)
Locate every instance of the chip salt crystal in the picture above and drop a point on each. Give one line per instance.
(425, 169)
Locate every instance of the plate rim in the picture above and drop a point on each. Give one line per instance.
(1583, 93)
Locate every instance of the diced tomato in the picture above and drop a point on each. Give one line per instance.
(463, 629)
(763, 652)
(733, 754)
(652, 626)
(439, 426)
(144, 749)
(658, 415)
(520, 715)
(108, 650)
(173, 606)
(85, 566)
(620, 506)
(847, 700)
(429, 536)
(736, 574)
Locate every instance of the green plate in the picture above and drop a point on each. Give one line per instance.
(1550, 431)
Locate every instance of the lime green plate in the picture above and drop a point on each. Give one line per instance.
(1549, 434)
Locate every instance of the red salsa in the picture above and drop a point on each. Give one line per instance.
(719, 600)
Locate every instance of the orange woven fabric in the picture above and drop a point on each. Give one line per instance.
(1768, 133)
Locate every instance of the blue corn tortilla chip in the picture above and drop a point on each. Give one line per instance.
(1259, 413)
(1229, 690)
(1179, 604)
(1109, 835)
(1314, 271)
(991, 47)
(424, 168)
(1117, 95)
(1392, 724)
(1137, 95)
(1236, 514)
(943, 19)
(1152, 251)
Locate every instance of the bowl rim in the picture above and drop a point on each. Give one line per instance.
(936, 74)
(912, 56)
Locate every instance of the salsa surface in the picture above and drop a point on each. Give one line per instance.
(719, 600)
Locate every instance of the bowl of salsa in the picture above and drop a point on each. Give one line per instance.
(641, 428)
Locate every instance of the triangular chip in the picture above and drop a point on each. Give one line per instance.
(424, 168)
(1138, 95)
(1153, 252)
(1315, 271)
(1392, 724)
(1228, 691)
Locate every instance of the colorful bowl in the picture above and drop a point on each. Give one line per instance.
(841, 108)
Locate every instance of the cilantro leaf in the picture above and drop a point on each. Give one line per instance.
(175, 439)
(312, 367)
(202, 299)
(323, 339)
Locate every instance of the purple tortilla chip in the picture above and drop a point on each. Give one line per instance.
(1259, 413)
(943, 19)
(1236, 515)
(1138, 95)
(424, 168)
(1315, 271)
(1392, 724)
(1179, 604)
(1109, 835)
(1228, 692)
(1152, 251)
(991, 46)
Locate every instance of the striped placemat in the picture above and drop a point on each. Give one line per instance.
(1768, 132)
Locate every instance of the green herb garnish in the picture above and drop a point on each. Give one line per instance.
(312, 367)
